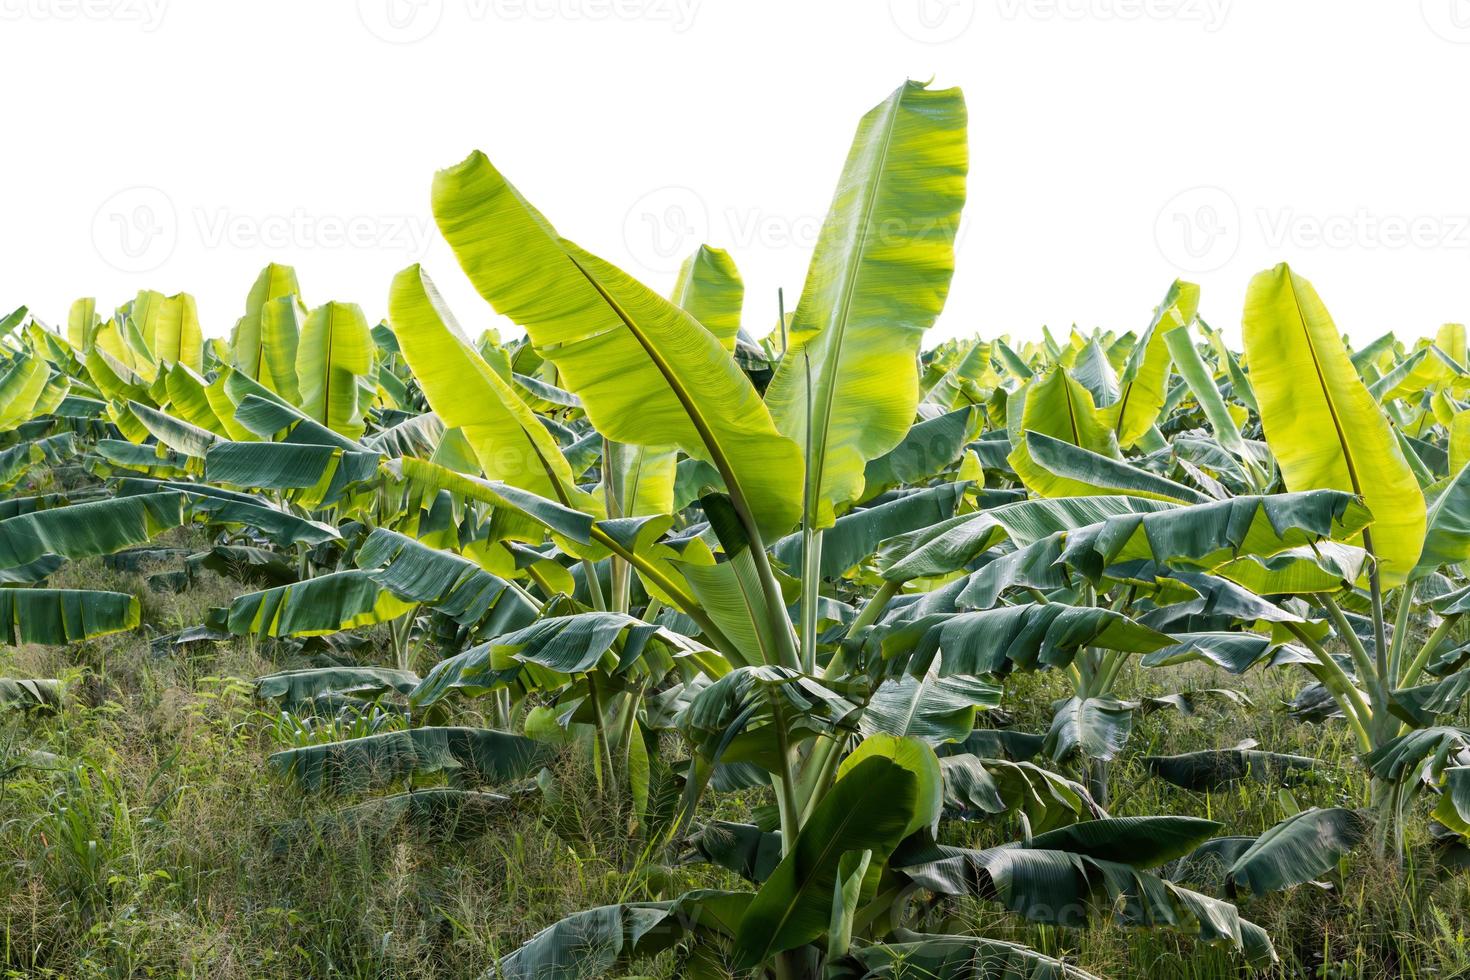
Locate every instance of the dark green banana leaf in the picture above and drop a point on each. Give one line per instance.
(932, 709)
(929, 448)
(476, 755)
(436, 815)
(1064, 888)
(29, 695)
(57, 616)
(1297, 850)
(1026, 637)
(318, 606)
(1140, 842)
(1097, 728)
(934, 957)
(455, 586)
(593, 942)
(89, 529)
(856, 535)
(296, 686)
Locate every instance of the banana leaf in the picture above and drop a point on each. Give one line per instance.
(57, 616)
(478, 755)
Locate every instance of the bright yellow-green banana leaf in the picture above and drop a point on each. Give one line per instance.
(247, 343)
(336, 348)
(81, 323)
(1058, 406)
(646, 371)
(108, 338)
(280, 337)
(1146, 373)
(1451, 340)
(169, 326)
(1324, 427)
(710, 289)
(1459, 441)
(20, 388)
(510, 443)
(877, 281)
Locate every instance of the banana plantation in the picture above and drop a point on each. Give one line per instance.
(866, 649)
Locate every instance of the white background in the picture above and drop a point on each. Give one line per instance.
(1115, 144)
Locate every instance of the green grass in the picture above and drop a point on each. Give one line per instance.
(153, 852)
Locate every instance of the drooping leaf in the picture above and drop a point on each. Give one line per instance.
(509, 441)
(647, 372)
(1213, 769)
(318, 606)
(590, 943)
(931, 709)
(478, 755)
(1298, 849)
(57, 616)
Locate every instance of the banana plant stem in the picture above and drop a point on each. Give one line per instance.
(1400, 634)
(1361, 660)
(786, 780)
(811, 593)
(687, 603)
(1359, 715)
(1421, 659)
(871, 610)
(594, 587)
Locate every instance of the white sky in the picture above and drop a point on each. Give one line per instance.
(1115, 144)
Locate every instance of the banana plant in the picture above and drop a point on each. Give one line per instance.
(779, 690)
